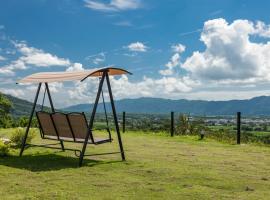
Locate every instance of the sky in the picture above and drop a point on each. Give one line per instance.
(191, 49)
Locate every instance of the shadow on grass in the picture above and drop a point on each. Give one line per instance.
(47, 162)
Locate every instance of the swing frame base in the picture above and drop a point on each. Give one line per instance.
(69, 149)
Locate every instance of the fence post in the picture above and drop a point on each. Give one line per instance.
(172, 124)
(124, 122)
(238, 127)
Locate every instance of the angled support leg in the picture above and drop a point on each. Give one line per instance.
(92, 119)
(49, 96)
(62, 145)
(115, 118)
(30, 120)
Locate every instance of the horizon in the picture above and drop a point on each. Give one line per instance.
(194, 50)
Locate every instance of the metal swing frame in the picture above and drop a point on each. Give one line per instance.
(105, 76)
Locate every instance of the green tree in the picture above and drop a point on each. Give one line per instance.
(23, 121)
(5, 117)
(183, 125)
(186, 125)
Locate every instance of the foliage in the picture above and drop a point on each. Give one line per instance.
(18, 135)
(4, 149)
(185, 125)
(248, 135)
(23, 121)
(5, 106)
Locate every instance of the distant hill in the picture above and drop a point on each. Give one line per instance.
(255, 106)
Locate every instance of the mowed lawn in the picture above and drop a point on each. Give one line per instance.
(157, 167)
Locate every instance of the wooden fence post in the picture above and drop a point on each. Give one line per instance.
(238, 127)
(172, 124)
(124, 122)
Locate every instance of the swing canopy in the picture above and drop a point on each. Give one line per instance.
(48, 77)
(72, 127)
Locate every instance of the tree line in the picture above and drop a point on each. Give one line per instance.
(7, 120)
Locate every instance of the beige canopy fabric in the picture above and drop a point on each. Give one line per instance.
(47, 77)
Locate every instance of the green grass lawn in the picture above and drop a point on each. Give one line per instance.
(157, 167)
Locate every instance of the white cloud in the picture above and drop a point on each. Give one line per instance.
(13, 92)
(38, 57)
(113, 5)
(262, 29)
(2, 27)
(84, 92)
(124, 88)
(229, 53)
(137, 46)
(56, 87)
(174, 61)
(31, 56)
(8, 70)
(149, 87)
(97, 58)
(75, 67)
(178, 48)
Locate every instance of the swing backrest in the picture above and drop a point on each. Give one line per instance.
(78, 123)
(62, 125)
(46, 124)
(72, 126)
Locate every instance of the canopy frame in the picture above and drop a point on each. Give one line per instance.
(105, 76)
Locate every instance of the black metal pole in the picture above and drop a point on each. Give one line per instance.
(115, 117)
(92, 118)
(52, 108)
(105, 110)
(124, 122)
(49, 96)
(30, 119)
(238, 127)
(172, 124)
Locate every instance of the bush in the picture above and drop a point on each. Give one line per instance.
(18, 136)
(4, 149)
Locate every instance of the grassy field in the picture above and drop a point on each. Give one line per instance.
(157, 167)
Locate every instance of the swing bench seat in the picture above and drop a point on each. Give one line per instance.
(71, 127)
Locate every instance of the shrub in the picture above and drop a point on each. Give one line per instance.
(18, 136)
(4, 149)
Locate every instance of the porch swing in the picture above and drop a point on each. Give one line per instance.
(72, 127)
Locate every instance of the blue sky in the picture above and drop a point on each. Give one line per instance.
(175, 48)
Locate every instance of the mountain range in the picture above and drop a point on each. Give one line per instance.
(255, 106)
